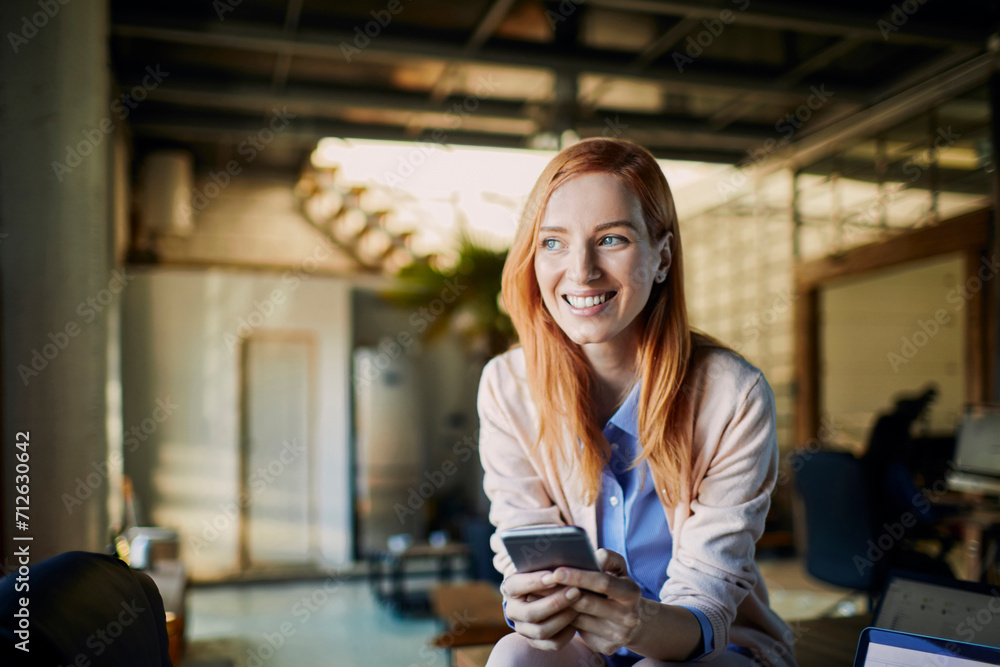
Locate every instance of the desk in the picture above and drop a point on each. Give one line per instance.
(977, 517)
(979, 547)
(388, 572)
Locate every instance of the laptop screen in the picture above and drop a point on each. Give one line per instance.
(925, 605)
(978, 447)
(885, 648)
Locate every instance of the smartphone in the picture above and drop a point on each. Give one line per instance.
(548, 547)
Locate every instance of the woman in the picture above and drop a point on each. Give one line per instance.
(614, 416)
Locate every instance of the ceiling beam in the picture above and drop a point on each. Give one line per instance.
(803, 17)
(306, 134)
(737, 107)
(330, 103)
(328, 46)
(283, 63)
(333, 105)
(487, 25)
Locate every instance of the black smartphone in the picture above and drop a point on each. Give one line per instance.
(547, 547)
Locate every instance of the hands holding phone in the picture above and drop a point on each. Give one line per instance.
(550, 607)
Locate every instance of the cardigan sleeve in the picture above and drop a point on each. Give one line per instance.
(712, 569)
(515, 488)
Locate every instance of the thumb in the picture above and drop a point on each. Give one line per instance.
(612, 562)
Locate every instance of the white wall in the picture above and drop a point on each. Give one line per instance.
(879, 338)
(179, 331)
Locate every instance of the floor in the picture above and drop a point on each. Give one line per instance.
(340, 624)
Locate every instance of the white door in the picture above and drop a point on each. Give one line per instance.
(277, 514)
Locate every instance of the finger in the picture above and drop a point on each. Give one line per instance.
(519, 585)
(598, 642)
(556, 642)
(548, 628)
(612, 562)
(616, 587)
(541, 609)
(531, 597)
(603, 608)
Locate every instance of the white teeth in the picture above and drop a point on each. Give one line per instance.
(586, 301)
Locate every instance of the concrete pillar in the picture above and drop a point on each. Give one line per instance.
(56, 270)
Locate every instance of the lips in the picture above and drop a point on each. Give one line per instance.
(588, 301)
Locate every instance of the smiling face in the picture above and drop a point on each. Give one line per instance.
(595, 262)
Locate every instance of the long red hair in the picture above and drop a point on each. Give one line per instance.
(560, 376)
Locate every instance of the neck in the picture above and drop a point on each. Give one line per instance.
(614, 365)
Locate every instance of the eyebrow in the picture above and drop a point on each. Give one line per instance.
(600, 228)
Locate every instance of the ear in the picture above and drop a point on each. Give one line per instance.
(664, 247)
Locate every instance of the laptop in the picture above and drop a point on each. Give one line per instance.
(888, 648)
(976, 468)
(921, 604)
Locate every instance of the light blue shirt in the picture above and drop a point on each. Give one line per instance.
(631, 521)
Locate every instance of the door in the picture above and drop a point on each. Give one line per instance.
(277, 522)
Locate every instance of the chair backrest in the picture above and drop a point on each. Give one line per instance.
(838, 519)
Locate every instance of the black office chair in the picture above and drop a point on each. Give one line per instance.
(847, 542)
(84, 605)
(838, 521)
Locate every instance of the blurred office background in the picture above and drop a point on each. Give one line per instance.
(251, 249)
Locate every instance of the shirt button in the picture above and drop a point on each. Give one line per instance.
(614, 501)
(614, 446)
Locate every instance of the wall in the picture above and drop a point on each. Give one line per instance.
(738, 272)
(864, 360)
(55, 247)
(180, 330)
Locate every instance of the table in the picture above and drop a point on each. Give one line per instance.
(978, 517)
(388, 572)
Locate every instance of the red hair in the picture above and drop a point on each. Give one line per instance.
(560, 376)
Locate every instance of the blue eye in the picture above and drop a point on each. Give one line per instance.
(613, 240)
(551, 244)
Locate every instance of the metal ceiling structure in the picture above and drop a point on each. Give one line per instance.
(689, 80)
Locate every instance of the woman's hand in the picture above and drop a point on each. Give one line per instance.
(605, 623)
(541, 612)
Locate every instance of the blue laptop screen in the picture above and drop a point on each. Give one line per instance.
(883, 648)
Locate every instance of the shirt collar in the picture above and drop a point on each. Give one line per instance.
(627, 416)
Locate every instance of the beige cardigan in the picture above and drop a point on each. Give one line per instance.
(730, 409)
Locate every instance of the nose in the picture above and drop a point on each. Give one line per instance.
(583, 265)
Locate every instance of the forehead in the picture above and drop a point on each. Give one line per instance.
(592, 198)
